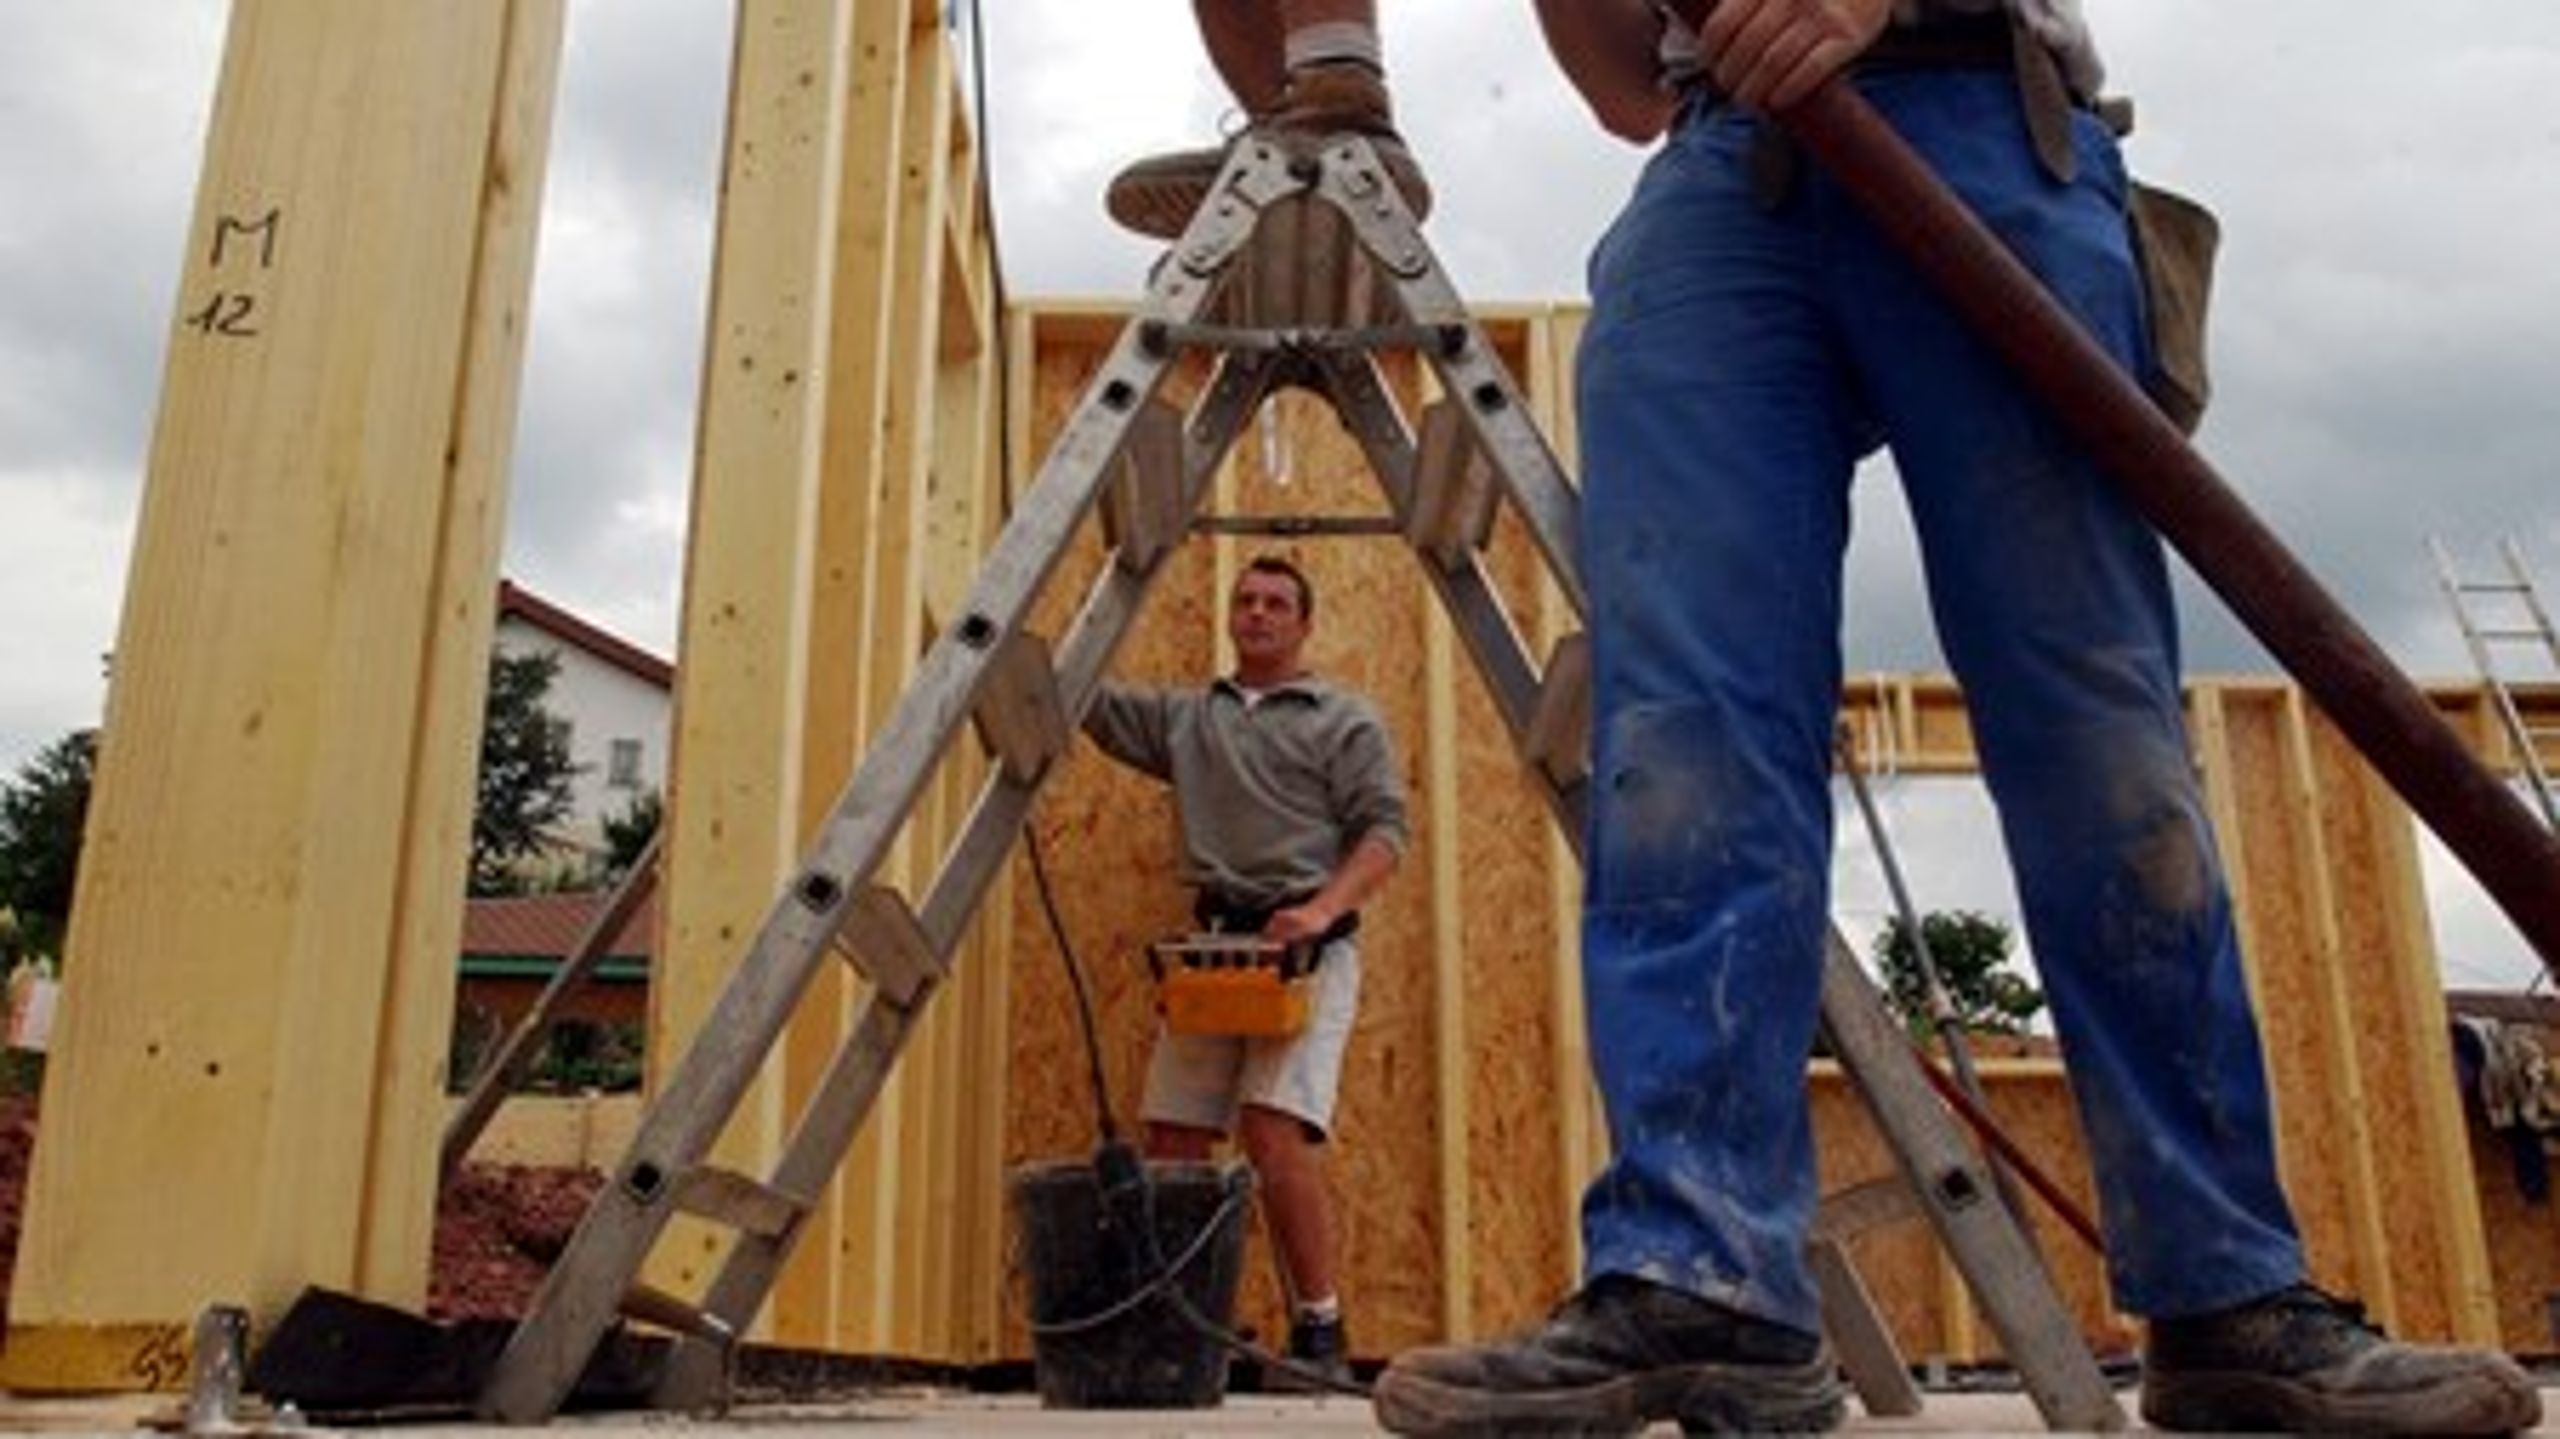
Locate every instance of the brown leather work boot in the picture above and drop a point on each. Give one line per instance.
(2300, 1361)
(1157, 196)
(1620, 1354)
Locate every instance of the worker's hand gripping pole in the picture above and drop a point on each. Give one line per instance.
(2377, 707)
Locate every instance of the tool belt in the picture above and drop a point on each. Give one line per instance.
(1228, 980)
(1985, 42)
(1219, 915)
(1961, 42)
(1231, 984)
(2174, 238)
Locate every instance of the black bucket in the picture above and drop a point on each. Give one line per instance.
(1093, 1347)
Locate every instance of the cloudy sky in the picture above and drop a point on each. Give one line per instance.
(2387, 329)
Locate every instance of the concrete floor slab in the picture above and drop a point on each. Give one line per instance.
(935, 1414)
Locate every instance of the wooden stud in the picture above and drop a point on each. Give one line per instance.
(806, 1306)
(2346, 1099)
(1581, 1136)
(270, 899)
(900, 623)
(734, 814)
(2441, 1277)
(1448, 963)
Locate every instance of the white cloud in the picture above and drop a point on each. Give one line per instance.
(62, 560)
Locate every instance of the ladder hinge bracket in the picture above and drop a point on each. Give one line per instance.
(1368, 200)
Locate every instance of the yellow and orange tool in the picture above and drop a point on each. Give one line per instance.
(1232, 984)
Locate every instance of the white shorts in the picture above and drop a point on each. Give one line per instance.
(1202, 1080)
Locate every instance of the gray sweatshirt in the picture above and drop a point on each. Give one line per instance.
(1272, 794)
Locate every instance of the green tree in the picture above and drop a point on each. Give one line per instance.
(41, 812)
(581, 1054)
(525, 773)
(1971, 954)
(629, 832)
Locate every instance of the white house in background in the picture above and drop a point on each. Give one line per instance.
(616, 696)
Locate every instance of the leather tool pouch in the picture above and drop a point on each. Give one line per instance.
(2175, 238)
(1220, 916)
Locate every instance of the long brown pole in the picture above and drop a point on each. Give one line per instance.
(2372, 703)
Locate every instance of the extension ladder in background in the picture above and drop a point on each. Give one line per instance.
(2505, 616)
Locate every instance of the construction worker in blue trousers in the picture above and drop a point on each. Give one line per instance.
(1752, 336)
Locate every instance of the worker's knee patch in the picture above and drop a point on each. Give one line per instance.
(1682, 811)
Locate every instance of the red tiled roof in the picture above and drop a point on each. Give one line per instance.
(514, 599)
(549, 926)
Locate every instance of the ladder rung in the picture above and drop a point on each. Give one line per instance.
(1279, 339)
(886, 945)
(1559, 737)
(1142, 510)
(2493, 587)
(1850, 1212)
(2509, 632)
(1291, 526)
(656, 1306)
(1859, 1334)
(741, 1203)
(1020, 715)
(1453, 490)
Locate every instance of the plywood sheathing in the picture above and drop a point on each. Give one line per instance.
(1913, 1281)
(1504, 880)
(2315, 854)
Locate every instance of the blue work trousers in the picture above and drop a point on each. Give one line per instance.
(1741, 358)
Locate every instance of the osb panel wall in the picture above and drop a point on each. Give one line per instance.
(2325, 882)
(2402, 1050)
(2344, 977)
(1106, 834)
(2267, 840)
(1508, 933)
(1369, 621)
(1915, 1285)
(1110, 847)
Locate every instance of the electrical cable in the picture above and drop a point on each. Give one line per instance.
(1112, 1155)
(1172, 1270)
(1075, 980)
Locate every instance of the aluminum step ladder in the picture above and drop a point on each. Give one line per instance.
(2504, 616)
(1299, 270)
